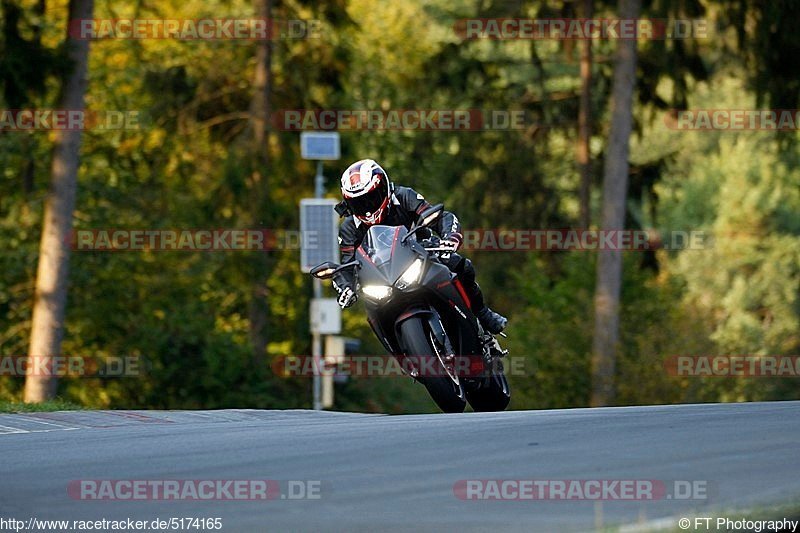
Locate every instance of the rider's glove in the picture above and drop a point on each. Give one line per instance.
(451, 241)
(347, 296)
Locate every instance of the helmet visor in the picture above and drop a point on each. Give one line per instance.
(368, 203)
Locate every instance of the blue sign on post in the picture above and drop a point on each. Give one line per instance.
(320, 145)
(319, 229)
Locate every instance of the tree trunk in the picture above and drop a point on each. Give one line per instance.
(52, 275)
(615, 185)
(258, 306)
(583, 153)
(262, 85)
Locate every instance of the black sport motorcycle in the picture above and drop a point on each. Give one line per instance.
(419, 311)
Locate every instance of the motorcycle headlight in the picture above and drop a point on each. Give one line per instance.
(411, 275)
(377, 292)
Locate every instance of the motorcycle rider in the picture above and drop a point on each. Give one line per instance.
(371, 198)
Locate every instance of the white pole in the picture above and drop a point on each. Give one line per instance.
(316, 344)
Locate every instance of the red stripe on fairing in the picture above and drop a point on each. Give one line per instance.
(394, 241)
(463, 293)
(365, 256)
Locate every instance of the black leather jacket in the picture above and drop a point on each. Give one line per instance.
(404, 208)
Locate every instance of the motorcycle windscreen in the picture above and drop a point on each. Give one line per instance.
(380, 241)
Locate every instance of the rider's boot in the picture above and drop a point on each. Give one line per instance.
(491, 321)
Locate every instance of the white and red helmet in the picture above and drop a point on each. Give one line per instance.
(366, 190)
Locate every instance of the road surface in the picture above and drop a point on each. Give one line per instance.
(402, 473)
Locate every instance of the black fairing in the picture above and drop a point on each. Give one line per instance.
(383, 259)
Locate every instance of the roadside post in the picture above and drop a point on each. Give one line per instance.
(319, 231)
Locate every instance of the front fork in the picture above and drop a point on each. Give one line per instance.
(437, 335)
(437, 329)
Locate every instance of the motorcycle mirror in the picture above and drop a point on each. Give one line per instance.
(324, 270)
(430, 215)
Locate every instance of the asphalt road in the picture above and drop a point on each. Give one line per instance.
(399, 472)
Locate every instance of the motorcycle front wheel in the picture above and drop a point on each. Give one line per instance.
(446, 390)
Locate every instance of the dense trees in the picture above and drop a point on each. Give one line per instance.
(206, 325)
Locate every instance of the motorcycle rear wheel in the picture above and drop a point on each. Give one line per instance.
(492, 396)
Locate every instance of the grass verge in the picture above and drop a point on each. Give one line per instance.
(752, 520)
(51, 405)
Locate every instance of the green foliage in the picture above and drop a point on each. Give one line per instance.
(48, 406)
(553, 333)
(187, 315)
